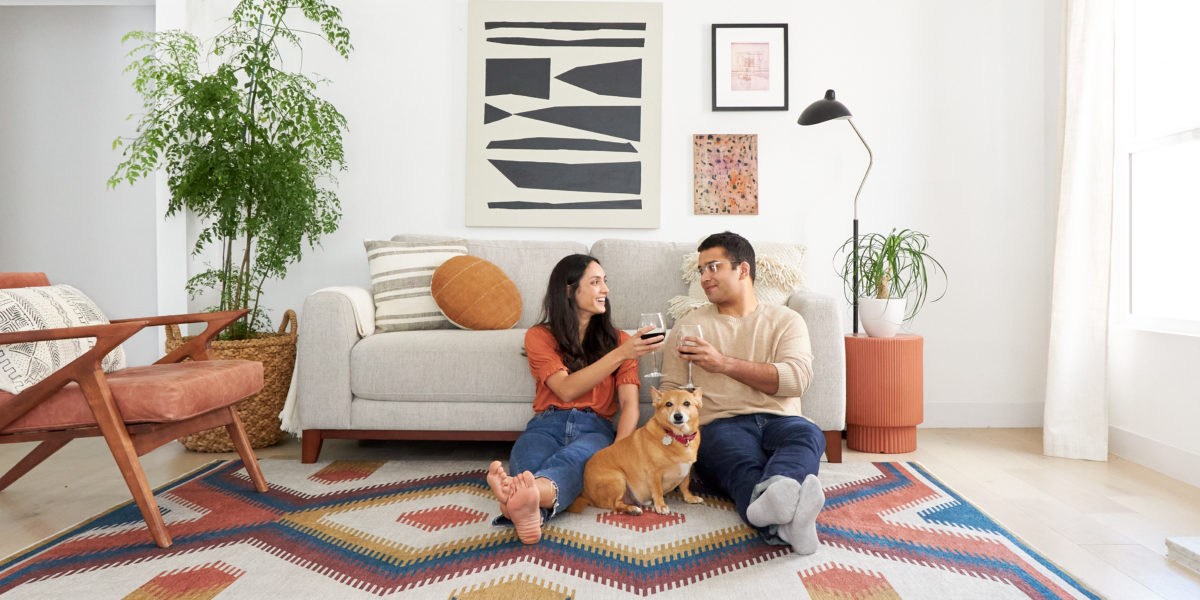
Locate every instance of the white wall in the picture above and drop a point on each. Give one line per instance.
(959, 102)
(1154, 405)
(62, 101)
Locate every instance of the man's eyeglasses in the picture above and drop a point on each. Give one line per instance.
(711, 266)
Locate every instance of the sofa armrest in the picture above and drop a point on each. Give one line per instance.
(327, 335)
(825, 400)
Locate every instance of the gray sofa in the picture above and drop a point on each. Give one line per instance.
(452, 384)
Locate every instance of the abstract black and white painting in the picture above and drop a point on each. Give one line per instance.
(563, 114)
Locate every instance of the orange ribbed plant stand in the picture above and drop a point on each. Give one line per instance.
(884, 393)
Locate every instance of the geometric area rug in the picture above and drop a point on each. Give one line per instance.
(423, 530)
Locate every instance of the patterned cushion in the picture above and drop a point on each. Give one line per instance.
(777, 275)
(48, 307)
(401, 273)
(475, 294)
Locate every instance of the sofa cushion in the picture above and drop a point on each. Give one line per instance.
(642, 277)
(401, 273)
(445, 365)
(150, 394)
(527, 263)
(47, 307)
(475, 294)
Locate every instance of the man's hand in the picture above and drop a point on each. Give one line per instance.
(702, 354)
(760, 376)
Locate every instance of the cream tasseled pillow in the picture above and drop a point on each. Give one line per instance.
(778, 274)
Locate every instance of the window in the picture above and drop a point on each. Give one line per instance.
(1157, 193)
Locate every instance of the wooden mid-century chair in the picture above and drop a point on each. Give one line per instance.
(136, 409)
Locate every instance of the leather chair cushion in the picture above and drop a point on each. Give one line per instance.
(149, 394)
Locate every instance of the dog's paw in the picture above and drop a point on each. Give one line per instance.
(634, 510)
(662, 510)
(693, 499)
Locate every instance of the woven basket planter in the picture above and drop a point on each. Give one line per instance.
(260, 412)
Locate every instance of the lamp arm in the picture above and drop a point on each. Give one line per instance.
(870, 161)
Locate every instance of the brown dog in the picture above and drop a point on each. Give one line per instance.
(639, 469)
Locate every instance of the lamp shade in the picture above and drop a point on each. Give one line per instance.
(823, 110)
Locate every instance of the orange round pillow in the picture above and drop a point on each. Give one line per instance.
(475, 294)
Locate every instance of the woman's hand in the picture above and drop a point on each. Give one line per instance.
(636, 347)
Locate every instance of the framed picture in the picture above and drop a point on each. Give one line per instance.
(750, 67)
(563, 114)
(725, 174)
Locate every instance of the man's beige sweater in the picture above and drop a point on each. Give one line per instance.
(771, 334)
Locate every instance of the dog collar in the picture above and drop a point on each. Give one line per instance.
(682, 439)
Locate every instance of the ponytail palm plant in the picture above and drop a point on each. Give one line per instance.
(247, 147)
(896, 265)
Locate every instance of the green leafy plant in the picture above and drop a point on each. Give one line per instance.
(891, 266)
(247, 147)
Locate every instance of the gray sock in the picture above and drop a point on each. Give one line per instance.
(776, 504)
(801, 532)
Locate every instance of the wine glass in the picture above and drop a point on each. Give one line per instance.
(654, 320)
(692, 331)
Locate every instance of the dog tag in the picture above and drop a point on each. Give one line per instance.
(666, 440)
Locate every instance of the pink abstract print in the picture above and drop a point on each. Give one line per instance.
(751, 66)
(725, 169)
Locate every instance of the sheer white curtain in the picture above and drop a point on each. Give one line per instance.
(1076, 417)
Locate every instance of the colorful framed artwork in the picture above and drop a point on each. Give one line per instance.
(750, 67)
(563, 114)
(725, 174)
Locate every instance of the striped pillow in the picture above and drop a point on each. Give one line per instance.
(401, 273)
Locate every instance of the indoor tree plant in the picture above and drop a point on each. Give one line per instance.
(247, 146)
(895, 269)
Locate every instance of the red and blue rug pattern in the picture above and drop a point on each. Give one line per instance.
(423, 529)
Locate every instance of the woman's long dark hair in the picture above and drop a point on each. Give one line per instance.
(560, 316)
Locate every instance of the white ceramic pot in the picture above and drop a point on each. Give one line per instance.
(881, 317)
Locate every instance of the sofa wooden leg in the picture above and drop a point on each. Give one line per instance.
(833, 446)
(310, 445)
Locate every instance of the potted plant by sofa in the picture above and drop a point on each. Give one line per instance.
(896, 268)
(250, 150)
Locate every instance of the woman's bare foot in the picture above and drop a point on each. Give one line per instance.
(523, 508)
(497, 478)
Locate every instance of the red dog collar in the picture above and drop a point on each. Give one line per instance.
(682, 439)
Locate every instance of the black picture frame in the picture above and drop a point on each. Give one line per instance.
(744, 83)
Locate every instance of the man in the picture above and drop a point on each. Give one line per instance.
(753, 362)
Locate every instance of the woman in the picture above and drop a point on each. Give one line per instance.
(583, 368)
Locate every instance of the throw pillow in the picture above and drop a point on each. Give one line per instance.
(777, 275)
(475, 294)
(401, 273)
(47, 307)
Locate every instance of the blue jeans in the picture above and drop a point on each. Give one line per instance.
(738, 453)
(557, 444)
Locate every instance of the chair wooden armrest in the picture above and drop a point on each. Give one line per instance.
(197, 347)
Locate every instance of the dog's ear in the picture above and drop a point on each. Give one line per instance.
(698, 397)
(655, 397)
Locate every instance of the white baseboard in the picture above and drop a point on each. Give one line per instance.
(1168, 460)
(983, 414)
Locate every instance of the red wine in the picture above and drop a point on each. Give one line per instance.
(653, 334)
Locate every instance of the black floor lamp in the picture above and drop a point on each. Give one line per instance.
(827, 109)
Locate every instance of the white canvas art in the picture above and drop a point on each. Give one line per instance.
(563, 114)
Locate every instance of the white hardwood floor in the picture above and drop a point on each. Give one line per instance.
(1105, 523)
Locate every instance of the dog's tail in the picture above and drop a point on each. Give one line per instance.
(578, 505)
